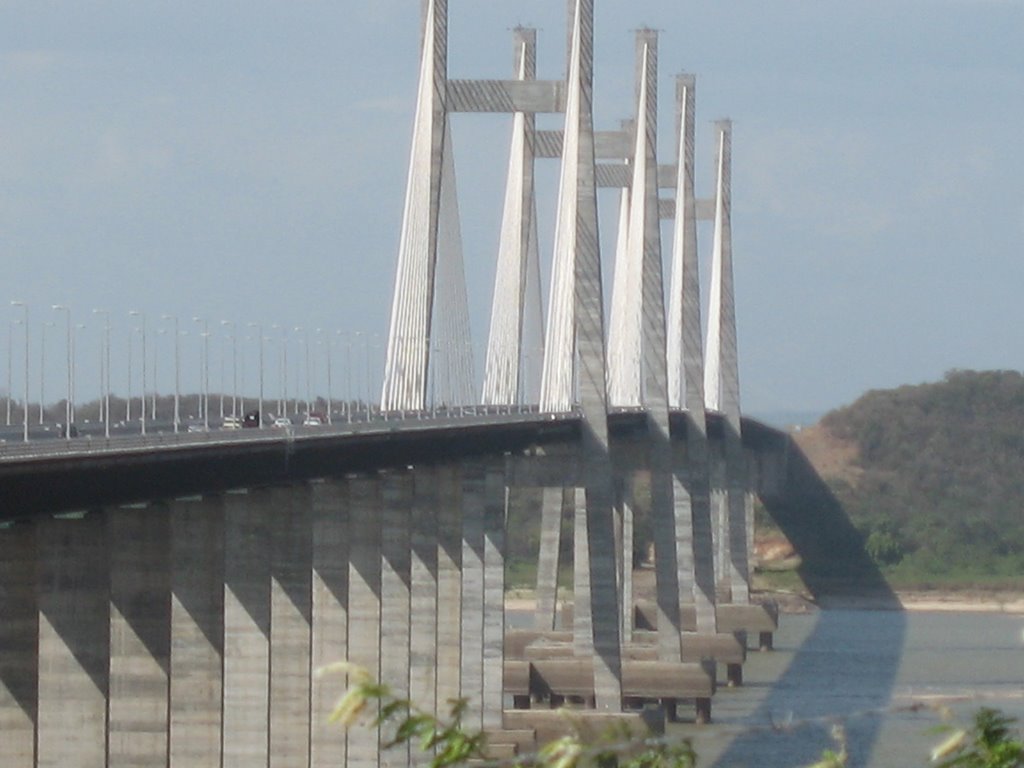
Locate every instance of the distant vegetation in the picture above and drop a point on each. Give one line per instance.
(936, 484)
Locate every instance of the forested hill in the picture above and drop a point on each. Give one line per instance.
(933, 475)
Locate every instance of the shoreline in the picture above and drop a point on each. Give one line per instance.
(910, 600)
(940, 601)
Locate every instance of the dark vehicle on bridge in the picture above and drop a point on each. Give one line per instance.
(64, 431)
(251, 419)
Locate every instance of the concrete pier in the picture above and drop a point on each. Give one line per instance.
(494, 594)
(290, 626)
(474, 494)
(197, 633)
(329, 640)
(449, 586)
(140, 632)
(73, 593)
(424, 618)
(247, 518)
(395, 617)
(364, 600)
(19, 632)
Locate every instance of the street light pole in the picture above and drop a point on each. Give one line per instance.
(74, 376)
(142, 400)
(259, 332)
(24, 307)
(155, 393)
(241, 375)
(206, 369)
(303, 339)
(105, 369)
(67, 403)
(283, 371)
(177, 371)
(222, 387)
(10, 366)
(67, 311)
(42, 368)
(234, 364)
(156, 357)
(329, 340)
(128, 399)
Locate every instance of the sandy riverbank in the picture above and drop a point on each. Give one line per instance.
(959, 602)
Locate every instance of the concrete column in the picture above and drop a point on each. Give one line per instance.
(582, 624)
(495, 505)
(720, 537)
(197, 632)
(548, 558)
(364, 605)
(473, 501)
(423, 574)
(736, 508)
(627, 570)
(602, 608)
(290, 634)
(748, 505)
(19, 632)
(331, 534)
(619, 555)
(140, 636)
(395, 585)
(73, 595)
(449, 586)
(247, 518)
(719, 518)
(669, 520)
(691, 469)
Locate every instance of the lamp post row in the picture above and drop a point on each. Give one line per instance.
(352, 342)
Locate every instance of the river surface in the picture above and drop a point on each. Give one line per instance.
(865, 669)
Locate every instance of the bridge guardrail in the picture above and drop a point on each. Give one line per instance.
(352, 423)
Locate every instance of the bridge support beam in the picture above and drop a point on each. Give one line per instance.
(495, 512)
(290, 625)
(625, 549)
(247, 517)
(19, 632)
(449, 585)
(395, 617)
(365, 604)
(554, 502)
(474, 482)
(424, 618)
(73, 642)
(197, 632)
(331, 535)
(140, 594)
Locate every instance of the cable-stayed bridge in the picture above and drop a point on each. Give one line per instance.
(168, 596)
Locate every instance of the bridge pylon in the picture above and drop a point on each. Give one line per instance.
(515, 347)
(429, 312)
(722, 387)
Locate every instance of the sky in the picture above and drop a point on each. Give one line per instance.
(246, 161)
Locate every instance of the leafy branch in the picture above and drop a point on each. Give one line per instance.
(989, 743)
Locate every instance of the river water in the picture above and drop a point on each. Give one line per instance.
(863, 669)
